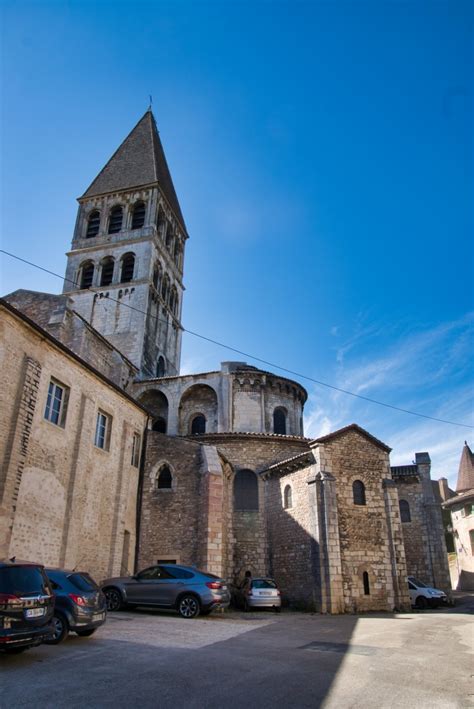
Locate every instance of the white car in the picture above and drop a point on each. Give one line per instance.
(423, 596)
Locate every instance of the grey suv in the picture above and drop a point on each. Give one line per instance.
(182, 588)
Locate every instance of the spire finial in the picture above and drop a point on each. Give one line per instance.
(151, 102)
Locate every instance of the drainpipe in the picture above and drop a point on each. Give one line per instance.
(141, 475)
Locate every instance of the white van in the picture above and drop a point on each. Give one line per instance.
(423, 596)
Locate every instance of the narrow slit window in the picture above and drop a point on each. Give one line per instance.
(136, 442)
(102, 431)
(365, 578)
(287, 497)
(405, 515)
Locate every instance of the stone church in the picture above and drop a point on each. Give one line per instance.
(210, 469)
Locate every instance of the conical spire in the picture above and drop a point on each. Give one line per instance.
(140, 160)
(466, 470)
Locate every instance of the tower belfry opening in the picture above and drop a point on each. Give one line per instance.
(129, 228)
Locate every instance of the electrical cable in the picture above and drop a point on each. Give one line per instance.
(258, 359)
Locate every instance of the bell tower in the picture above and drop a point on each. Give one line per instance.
(125, 268)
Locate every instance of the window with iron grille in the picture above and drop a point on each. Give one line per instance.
(56, 403)
(245, 490)
(93, 224)
(102, 431)
(128, 266)
(107, 272)
(87, 275)
(405, 515)
(115, 220)
(138, 216)
(136, 441)
(358, 491)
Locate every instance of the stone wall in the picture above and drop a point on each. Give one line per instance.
(64, 501)
(171, 518)
(369, 535)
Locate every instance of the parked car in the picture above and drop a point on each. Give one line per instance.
(258, 593)
(182, 588)
(80, 604)
(26, 606)
(423, 596)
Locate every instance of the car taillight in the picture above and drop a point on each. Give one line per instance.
(214, 585)
(278, 592)
(79, 600)
(8, 598)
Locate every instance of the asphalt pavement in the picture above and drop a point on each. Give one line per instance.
(154, 659)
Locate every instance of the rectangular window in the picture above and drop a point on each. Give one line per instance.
(136, 449)
(102, 431)
(56, 403)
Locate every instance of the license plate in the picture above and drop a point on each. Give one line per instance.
(98, 616)
(34, 612)
(266, 593)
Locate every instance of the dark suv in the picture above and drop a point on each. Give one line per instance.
(182, 588)
(26, 606)
(80, 604)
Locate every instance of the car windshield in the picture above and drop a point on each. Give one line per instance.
(22, 579)
(263, 583)
(420, 584)
(83, 582)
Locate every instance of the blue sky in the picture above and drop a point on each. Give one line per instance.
(322, 154)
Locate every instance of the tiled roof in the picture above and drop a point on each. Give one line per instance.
(305, 457)
(357, 429)
(140, 160)
(404, 471)
(466, 470)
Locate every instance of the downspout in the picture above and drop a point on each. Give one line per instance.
(141, 475)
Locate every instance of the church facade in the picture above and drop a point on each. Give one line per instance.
(226, 479)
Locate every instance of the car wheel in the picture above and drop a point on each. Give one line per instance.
(421, 603)
(85, 633)
(61, 629)
(114, 599)
(188, 606)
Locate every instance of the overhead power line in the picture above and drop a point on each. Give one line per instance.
(254, 357)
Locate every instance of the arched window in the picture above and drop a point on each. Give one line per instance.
(128, 266)
(365, 579)
(159, 425)
(115, 220)
(160, 367)
(173, 300)
(169, 238)
(198, 424)
(358, 492)
(287, 497)
(138, 215)
(164, 480)
(157, 276)
(107, 271)
(405, 515)
(87, 274)
(279, 422)
(93, 224)
(160, 221)
(245, 490)
(177, 252)
(165, 288)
